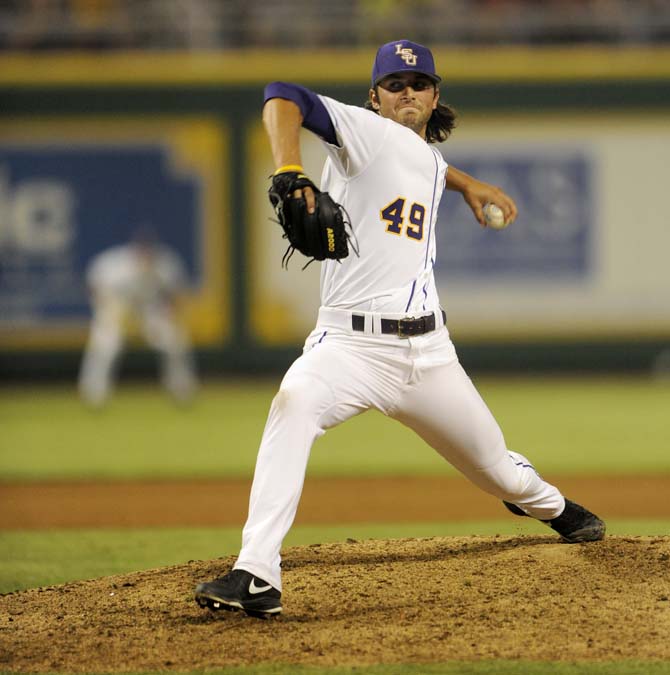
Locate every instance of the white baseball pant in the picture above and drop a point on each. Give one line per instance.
(417, 381)
(105, 343)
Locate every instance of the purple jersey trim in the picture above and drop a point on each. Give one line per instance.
(411, 295)
(432, 208)
(315, 117)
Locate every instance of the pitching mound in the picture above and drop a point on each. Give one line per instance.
(410, 600)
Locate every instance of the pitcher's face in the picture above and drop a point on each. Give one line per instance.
(406, 98)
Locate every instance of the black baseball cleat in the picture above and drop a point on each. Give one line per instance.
(240, 590)
(575, 524)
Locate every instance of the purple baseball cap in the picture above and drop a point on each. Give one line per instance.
(403, 55)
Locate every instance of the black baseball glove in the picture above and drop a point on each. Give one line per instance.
(319, 235)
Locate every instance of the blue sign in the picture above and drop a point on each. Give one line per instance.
(61, 204)
(552, 235)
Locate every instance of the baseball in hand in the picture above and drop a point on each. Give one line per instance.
(494, 217)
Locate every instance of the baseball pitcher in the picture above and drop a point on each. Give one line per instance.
(380, 339)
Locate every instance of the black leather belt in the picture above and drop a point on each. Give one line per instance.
(401, 327)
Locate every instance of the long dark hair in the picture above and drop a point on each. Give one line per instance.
(440, 125)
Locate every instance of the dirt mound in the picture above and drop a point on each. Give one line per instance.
(409, 600)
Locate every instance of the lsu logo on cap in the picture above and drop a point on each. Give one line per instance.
(406, 54)
(402, 55)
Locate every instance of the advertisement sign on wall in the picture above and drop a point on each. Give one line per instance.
(552, 235)
(69, 192)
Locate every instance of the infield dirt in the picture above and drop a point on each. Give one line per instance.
(220, 503)
(400, 601)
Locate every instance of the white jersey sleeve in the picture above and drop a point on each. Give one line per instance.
(170, 270)
(108, 268)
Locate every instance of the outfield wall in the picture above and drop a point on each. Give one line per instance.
(92, 147)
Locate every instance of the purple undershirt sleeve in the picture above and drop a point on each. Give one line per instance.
(314, 113)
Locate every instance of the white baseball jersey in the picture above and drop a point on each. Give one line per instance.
(124, 273)
(390, 181)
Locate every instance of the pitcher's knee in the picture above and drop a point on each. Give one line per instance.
(509, 488)
(505, 480)
(511, 493)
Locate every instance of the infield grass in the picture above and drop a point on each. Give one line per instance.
(565, 425)
(451, 668)
(29, 559)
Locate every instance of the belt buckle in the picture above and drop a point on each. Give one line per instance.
(401, 322)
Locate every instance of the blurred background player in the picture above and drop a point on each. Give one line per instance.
(138, 283)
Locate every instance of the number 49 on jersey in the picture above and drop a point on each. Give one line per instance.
(398, 222)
